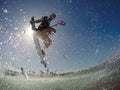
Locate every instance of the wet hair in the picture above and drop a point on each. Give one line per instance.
(53, 14)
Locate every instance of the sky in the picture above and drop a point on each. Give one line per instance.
(90, 37)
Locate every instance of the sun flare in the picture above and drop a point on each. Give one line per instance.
(29, 31)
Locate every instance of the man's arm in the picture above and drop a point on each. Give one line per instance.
(39, 20)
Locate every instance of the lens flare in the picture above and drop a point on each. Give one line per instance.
(29, 31)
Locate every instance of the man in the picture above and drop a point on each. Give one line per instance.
(45, 22)
(44, 30)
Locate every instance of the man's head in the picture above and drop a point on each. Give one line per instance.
(52, 16)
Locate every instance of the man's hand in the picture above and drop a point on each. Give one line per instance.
(32, 20)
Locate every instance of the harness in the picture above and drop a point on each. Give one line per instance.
(45, 23)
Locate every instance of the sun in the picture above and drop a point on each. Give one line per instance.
(29, 31)
(28, 34)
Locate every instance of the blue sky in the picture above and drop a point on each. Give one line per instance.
(91, 34)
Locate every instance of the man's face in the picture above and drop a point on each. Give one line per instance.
(52, 17)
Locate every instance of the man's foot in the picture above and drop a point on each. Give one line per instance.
(44, 63)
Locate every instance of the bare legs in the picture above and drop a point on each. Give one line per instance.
(44, 35)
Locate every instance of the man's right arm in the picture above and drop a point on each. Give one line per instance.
(39, 20)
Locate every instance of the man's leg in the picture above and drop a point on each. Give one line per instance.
(47, 42)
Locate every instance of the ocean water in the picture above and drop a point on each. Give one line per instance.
(97, 79)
